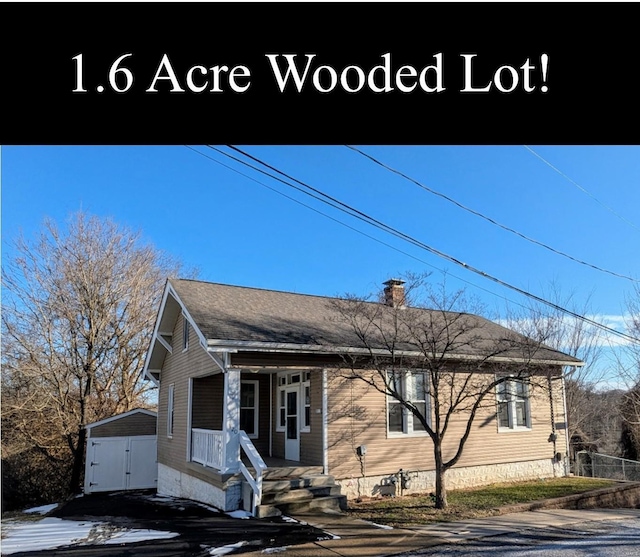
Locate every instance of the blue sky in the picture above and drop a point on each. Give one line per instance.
(236, 230)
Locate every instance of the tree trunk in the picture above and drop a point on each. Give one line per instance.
(78, 461)
(441, 492)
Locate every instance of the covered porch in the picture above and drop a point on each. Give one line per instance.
(258, 425)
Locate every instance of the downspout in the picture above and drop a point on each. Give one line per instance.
(553, 436)
(325, 423)
(566, 427)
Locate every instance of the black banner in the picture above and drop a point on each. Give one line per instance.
(315, 73)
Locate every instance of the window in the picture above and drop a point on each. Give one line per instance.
(249, 408)
(170, 411)
(185, 333)
(306, 397)
(414, 388)
(282, 410)
(513, 405)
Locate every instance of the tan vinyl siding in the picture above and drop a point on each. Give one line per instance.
(206, 402)
(135, 424)
(311, 442)
(277, 443)
(261, 443)
(178, 367)
(560, 416)
(264, 423)
(357, 416)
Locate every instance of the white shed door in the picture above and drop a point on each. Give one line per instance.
(143, 468)
(116, 463)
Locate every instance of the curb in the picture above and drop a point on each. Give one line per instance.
(623, 496)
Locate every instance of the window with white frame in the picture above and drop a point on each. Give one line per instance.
(306, 399)
(412, 387)
(514, 411)
(282, 409)
(249, 408)
(170, 410)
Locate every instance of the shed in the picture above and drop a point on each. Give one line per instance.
(122, 452)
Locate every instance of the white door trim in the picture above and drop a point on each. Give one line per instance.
(292, 423)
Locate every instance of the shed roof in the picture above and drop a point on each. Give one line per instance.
(123, 415)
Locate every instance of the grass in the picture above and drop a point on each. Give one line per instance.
(468, 503)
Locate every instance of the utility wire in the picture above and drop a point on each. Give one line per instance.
(378, 224)
(347, 225)
(443, 272)
(579, 186)
(482, 216)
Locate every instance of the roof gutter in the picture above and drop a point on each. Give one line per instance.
(257, 346)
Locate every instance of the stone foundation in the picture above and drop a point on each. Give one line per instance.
(174, 483)
(424, 481)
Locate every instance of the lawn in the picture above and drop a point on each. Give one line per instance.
(468, 503)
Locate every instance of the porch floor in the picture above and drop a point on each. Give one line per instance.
(281, 468)
(273, 462)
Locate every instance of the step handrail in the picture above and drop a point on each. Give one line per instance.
(258, 465)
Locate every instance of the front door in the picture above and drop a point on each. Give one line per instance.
(292, 424)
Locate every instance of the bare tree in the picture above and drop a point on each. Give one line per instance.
(629, 374)
(587, 408)
(78, 310)
(433, 357)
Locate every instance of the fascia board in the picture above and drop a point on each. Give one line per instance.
(292, 348)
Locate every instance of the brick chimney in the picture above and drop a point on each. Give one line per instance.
(394, 293)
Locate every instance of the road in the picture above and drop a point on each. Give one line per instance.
(603, 539)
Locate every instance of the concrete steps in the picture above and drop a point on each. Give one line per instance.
(291, 493)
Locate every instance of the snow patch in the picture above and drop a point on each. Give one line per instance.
(44, 509)
(239, 514)
(383, 526)
(329, 536)
(51, 533)
(274, 549)
(224, 549)
(133, 536)
(47, 533)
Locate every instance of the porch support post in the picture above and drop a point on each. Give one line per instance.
(325, 422)
(231, 420)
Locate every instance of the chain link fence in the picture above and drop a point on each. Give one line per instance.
(595, 465)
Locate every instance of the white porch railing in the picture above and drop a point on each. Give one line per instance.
(207, 448)
(259, 466)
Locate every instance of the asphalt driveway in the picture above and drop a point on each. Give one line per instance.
(200, 529)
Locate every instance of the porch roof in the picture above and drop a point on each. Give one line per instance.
(238, 316)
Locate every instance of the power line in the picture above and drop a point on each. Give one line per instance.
(482, 216)
(378, 224)
(579, 186)
(343, 223)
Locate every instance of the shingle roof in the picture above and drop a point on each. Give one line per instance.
(252, 315)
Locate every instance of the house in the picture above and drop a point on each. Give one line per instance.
(250, 385)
